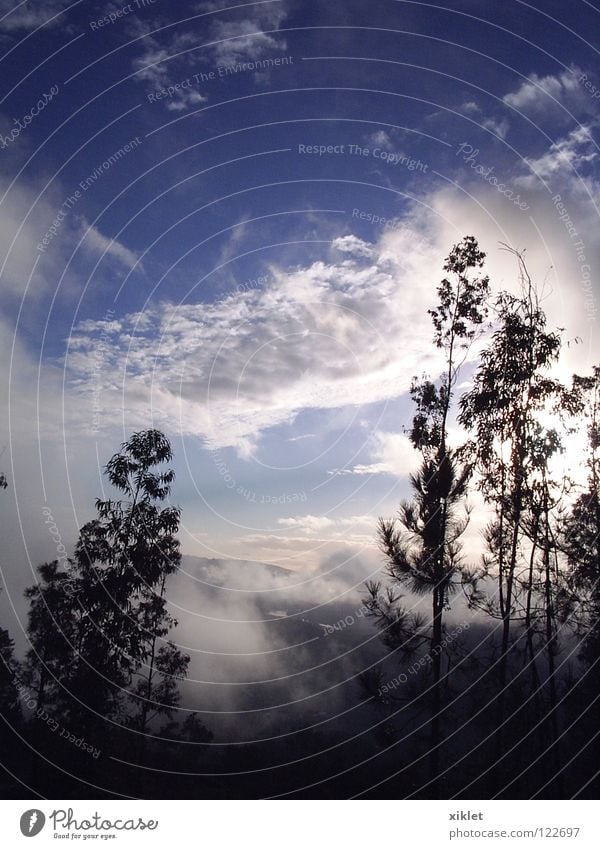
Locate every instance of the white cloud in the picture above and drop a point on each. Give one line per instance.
(308, 524)
(169, 61)
(381, 139)
(301, 437)
(552, 96)
(95, 242)
(470, 108)
(499, 128)
(557, 98)
(317, 524)
(21, 224)
(248, 39)
(392, 454)
(39, 241)
(351, 244)
(24, 219)
(151, 65)
(184, 99)
(298, 552)
(569, 154)
(19, 15)
(320, 337)
(169, 64)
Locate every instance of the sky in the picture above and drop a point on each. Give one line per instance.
(228, 221)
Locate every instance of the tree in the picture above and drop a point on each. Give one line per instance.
(8, 670)
(542, 587)
(580, 531)
(513, 391)
(99, 623)
(3, 481)
(156, 691)
(53, 624)
(422, 546)
(121, 559)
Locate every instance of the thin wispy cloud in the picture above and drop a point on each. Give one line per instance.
(23, 15)
(97, 243)
(186, 63)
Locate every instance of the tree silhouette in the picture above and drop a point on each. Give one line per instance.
(9, 666)
(8, 672)
(580, 531)
(99, 623)
(122, 560)
(513, 390)
(3, 481)
(422, 546)
(53, 624)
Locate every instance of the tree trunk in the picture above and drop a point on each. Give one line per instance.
(554, 753)
(436, 700)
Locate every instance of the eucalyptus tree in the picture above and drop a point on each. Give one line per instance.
(122, 560)
(52, 630)
(540, 587)
(578, 598)
(6, 648)
(155, 689)
(514, 391)
(580, 531)
(8, 675)
(422, 545)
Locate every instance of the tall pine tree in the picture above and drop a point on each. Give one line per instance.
(422, 546)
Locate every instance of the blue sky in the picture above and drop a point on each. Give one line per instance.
(246, 209)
